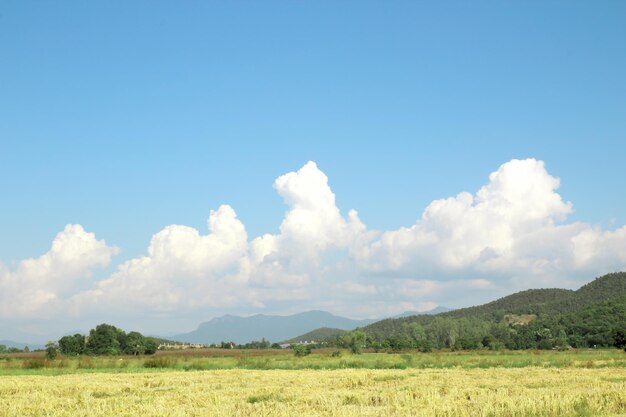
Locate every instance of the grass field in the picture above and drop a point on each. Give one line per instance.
(220, 359)
(498, 384)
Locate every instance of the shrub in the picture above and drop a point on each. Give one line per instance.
(160, 362)
(51, 350)
(33, 364)
(302, 350)
(86, 363)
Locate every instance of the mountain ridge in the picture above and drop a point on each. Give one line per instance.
(547, 302)
(229, 328)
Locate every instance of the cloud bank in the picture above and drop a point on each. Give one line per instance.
(509, 235)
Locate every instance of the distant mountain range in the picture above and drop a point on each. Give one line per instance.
(319, 325)
(20, 345)
(436, 310)
(238, 329)
(325, 333)
(273, 328)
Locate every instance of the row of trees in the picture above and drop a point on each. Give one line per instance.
(106, 339)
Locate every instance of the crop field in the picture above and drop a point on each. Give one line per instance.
(467, 384)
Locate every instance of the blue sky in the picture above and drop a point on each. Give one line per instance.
(126, 117)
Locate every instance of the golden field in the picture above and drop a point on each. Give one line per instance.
(497, 392)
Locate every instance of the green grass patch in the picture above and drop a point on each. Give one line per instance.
(589, 358)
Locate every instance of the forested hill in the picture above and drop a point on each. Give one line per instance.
(549, 301)
(603, 288)
(590, 315)
(317, 335)
(538, 302)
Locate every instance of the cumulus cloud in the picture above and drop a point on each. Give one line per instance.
(313, 220)
(40, 282)
(511, 226)
(510, 234)
(183, 269)
(312, 226)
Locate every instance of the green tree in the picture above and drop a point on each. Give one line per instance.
(442, 332)
(355, 340)
(105, 340)
(72, 345)
(151, 346)
(560, 341)
(133, 344)
(52, 350)
(619, 337)
(415, 332)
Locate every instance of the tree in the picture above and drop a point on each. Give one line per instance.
(72, 345)
(415, 331)
(442, 332)
(133, 344)
(619, 338)
(105, 340)
(52, 350)
(560, 341)
(151, 346)
(354, 340)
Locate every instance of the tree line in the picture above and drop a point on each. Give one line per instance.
(106, 339)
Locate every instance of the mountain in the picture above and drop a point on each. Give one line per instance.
(273, 328)
(34, 340)
(551, 301)
(325, 333)
(317, 335)
(545, 304)
(20, 345)
(436, 310)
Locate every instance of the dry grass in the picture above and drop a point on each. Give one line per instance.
(496, 392)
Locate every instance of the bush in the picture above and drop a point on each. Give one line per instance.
(302, 350)
(86, 363)
(160, 362)
(34, 364)
(51, 350)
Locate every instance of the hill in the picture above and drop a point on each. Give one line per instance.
(543, 303)
(273, 328)
(324, 333)
(592, 316)
(317, 335)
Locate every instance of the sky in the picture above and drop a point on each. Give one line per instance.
(162, 163)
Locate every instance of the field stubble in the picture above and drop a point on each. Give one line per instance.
(497, 392)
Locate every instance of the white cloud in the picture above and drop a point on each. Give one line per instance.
(352, 287)
(183, 269)
(313, 222)
(41, 282)
(509, 227)
(511, 234)
(312, 226)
